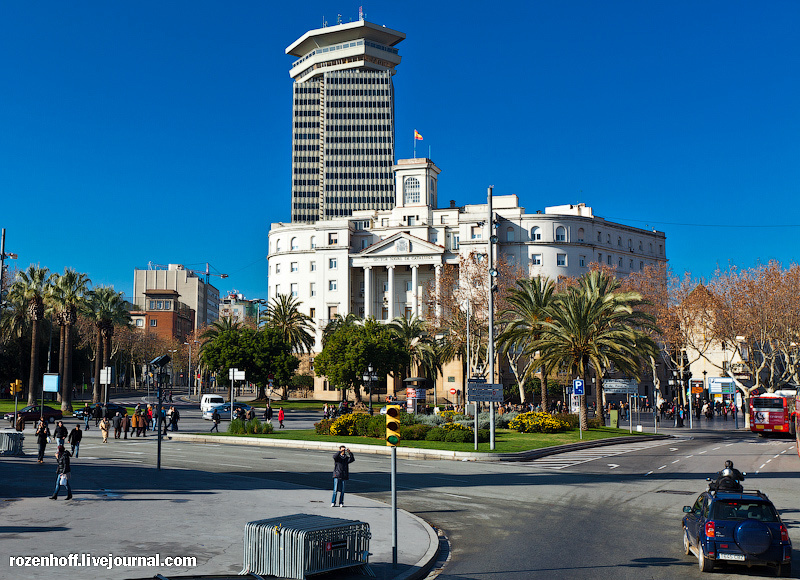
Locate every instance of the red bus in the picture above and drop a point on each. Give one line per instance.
(774, 412)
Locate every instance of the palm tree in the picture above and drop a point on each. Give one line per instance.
(339, 321)
(528, 304)
(415, 340)
(30, 288)
(297, 328)
(106, 308)
(66, 295)
(590, 325)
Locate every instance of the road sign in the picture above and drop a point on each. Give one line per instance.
(105, 376)
(235, 374)
(453, 391)
(697, 386)
(621, 386)
(577, 387)
(477, 381)
(51, 382)
(486, 393)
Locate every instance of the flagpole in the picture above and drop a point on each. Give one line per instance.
(415, 144)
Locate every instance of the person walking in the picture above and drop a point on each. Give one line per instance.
(42, 438)
(281, 416)
(135, 424)
(215, 419)
(104, 426)
(116, 422)
(341, 473)
(63, 472)
(74, 439)
(176, 416)
(126, 424)
(98, 413)
(87, 414)
(60, 433)
(268, 413)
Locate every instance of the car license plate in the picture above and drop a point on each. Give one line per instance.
(734, 557)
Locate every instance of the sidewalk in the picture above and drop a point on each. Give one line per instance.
(133, 510)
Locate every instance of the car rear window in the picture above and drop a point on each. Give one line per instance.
(743, 510)
(768, 403)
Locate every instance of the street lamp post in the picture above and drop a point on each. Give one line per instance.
(369, 377)
(260, 302)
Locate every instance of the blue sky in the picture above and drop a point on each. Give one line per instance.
(136, 132)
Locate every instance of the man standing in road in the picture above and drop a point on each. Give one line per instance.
(63, 473)
(215, 419)
(87, 414)
(126, 424)
(116, 422)
(60, 433)
(98, 413)
(268, 413)
(341, 473)
(281, 416)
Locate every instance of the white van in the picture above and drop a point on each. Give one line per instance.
(209, 401)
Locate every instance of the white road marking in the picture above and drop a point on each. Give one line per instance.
(768, 460)
(673, 448)
(234, 465)
(455, 495)
(676, 461)
(448, 478)
(777, 456)
(702, 452)
(662, 467)
(613, 465)
(729, 444)
(688, 456)
(762, 466)
(715, 448)
(648, 473)
(573, 458)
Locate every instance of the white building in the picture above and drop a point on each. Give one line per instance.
(381, 263)
(197, 294)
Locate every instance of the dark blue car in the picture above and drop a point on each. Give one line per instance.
(736, 528)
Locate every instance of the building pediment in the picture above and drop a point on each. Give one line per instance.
(400, 247)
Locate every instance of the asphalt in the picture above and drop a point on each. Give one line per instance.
(130, 509)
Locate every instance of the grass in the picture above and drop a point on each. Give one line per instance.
(290, 405)
(7, 406)
(506, 440)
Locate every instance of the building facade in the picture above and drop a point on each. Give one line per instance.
(343, 120)
(238, 308)
(198, 295)
(162, 314)
(383, 263)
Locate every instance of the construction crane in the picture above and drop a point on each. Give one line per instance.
(207, 272)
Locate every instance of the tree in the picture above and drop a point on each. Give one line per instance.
(297, 328)
(526, 310)
(350, 348)
(590, 324)
(106, 308)
(66, 295)
(30, 288)
(414, 340)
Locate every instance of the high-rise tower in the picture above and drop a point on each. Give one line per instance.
(343, 120)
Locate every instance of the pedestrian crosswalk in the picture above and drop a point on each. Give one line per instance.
(572, 458)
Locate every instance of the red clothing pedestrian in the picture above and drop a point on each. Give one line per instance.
(280, 417)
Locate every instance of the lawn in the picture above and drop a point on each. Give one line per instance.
(7, 406)
(506, 440)
(290, 405)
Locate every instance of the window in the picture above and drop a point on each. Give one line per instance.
(536, 259)
(277, 268)
(312, 312)
(407, 313)
(384, 222)
(139, 322)
(443, 219)
(331, 284)
(608, 259)
(434, 238)
(608, 238)
(630, 264)
(313, 242)
(277, 245)
(411, 220)
(660, 249)
(651, 247)
(313, 266)
(277, 289)
(332, 262)
(384, 313)
(582, 261)
(385, 286)
(599, 258)
(333, 239)
(640, 246)
(363, 244)
(619, 241)
(411, 190)
(152, 305)
(561, 259)
(599, 237)
(476, 232)
(332, 312)
(312, 289)
(294, 244)
(153, 322)
(509, 234)
(293, 289)
(408, 285)
(294, 267)
(580, 234)
(456, 239)
(167, 304)
(160, 305)
(630, 244)
(641, 266)
(561, 234)
(620, 262)
(536, 234)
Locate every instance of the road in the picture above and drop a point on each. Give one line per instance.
(613, 511)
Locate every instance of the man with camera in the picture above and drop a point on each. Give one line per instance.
(341, 473)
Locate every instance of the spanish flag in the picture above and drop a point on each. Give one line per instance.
(417, 136)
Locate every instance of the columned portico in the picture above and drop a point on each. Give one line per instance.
(415, 290)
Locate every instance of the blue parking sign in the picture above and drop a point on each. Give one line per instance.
(577, 387)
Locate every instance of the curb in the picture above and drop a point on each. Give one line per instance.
(413, 453)
(424, 564)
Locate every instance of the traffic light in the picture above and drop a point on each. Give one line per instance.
(16, 387)
(392, 425)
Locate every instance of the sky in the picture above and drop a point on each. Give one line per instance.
(160, 132)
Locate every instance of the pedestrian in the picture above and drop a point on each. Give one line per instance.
(126, 424)
(74, 439)
(281, 416)
(215, 419)
(135, 423)
(325, 411)
(116, 422)
(341, 473)
(87, 414)
(60, 433)
(98, 413)
(268, 413)
(104, 426)
(63, 472)
(176, 416)
(42, 438)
